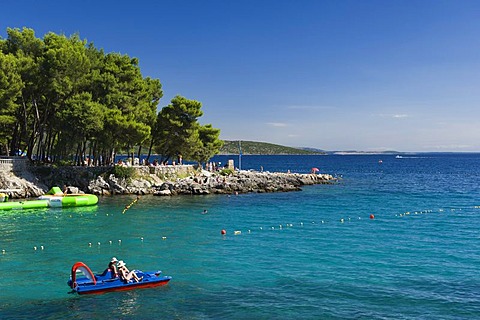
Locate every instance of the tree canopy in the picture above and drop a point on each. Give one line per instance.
(178, 132)
(62, 99)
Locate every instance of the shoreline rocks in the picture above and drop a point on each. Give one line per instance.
(204, 183)
(158, 181)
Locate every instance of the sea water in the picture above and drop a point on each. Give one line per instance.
(394, 238)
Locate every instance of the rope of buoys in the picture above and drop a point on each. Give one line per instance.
(130, 205)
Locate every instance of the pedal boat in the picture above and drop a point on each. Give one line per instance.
(106, 282)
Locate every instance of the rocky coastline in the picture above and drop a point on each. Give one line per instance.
(160, 181)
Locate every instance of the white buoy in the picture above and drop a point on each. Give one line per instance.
(141, 239)
(110, 241)
(41, 247)
(341, 220)
(98, 243)
(164, 238)
(237, 232)
(89, 244)
(3, 251)
(35, 248)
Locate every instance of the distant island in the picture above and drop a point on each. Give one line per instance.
(265, 148)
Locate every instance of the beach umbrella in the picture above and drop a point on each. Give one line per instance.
(315, 170)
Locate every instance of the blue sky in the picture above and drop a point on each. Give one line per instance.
(335, 75)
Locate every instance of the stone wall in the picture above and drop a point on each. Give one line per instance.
(82, 177)
(15, 164)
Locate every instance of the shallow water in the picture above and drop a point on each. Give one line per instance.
(419, 258)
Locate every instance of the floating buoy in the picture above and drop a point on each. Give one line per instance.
(141, 239)
(35, 248)
(237, 232)
(3, 251)
(89, 244)
(223, 232)
(372, 216)
(41, 247)
(341, 220)
(164, 238)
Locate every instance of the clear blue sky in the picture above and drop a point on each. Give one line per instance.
(336, 75)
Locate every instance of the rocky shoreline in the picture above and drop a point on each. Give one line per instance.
(161, 181)
(241, 182)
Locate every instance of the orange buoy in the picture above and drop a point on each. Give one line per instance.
(224, 231)
(372, 216)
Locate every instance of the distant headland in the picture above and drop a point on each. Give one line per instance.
(264, 148)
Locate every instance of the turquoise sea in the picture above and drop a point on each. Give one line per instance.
(313, 254)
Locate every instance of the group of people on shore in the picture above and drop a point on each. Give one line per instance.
(119, 269)
(145, 162)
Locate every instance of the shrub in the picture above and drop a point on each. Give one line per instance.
(123, 172)
(226, 172)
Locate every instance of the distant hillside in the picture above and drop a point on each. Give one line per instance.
(253, 147)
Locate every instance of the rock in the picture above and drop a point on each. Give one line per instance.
(162, 193)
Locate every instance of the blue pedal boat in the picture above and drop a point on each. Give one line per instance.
(102, 283)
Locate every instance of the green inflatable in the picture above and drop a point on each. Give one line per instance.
(53, 198)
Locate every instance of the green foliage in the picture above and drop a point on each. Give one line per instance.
(10, 89)
(176, 128)
(209, 144)
(178, 132)
(62, 98)
(122, 172)
(226, 172)
(64, 95)
(64, 163)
